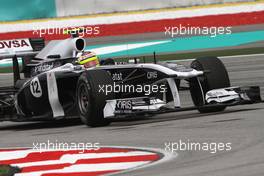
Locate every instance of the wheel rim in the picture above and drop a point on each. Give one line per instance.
(83, 99)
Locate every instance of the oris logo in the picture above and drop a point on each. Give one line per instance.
(152, 75)
(124, 105)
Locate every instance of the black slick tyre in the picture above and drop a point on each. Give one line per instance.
(90, 101)
(215, 77)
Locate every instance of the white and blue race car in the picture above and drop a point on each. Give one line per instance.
(56, 86)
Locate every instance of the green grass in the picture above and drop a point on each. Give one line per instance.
(6, 70)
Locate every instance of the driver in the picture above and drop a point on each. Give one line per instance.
(88, 59)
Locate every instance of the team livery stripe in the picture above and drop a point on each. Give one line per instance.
(53, 95)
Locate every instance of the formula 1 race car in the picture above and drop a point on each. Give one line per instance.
(61, 80)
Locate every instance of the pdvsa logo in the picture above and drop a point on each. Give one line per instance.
(13, 44)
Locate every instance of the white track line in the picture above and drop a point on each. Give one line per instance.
(239, 56)
(220, 57)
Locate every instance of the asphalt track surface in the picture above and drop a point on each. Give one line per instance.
(243, 126)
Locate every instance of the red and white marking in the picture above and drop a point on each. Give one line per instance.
(132, 23)
(77, 162)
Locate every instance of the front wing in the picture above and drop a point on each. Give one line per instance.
(230, 96)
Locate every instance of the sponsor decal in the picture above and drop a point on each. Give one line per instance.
(74, 162)
(152, 75)
(124, 105)
(43, 68)
(117, 77)
(15, 45)
(121, 63)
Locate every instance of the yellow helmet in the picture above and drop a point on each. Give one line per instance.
(88, 59)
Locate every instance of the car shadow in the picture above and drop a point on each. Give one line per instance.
(117, 124)
(21, 126)
(172, 116)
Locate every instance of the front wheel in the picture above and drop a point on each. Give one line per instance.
(90, 101)
(216, 78)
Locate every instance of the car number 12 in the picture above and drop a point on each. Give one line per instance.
(35, 88)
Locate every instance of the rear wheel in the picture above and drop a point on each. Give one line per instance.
(91, 101)
(216, 78)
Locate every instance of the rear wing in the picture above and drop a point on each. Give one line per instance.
(20, 47)
(26, 49)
